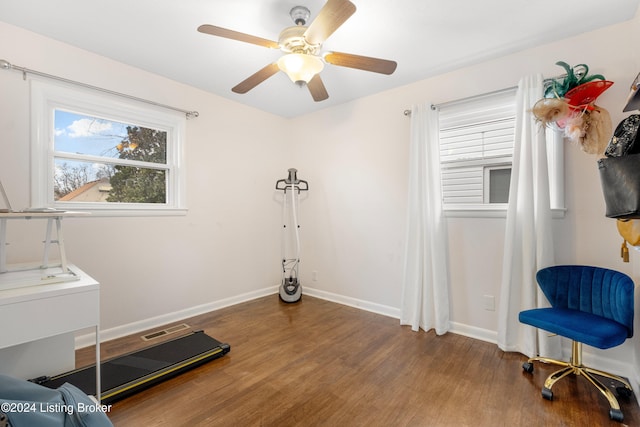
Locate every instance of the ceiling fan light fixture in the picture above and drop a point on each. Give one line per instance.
(300, 67)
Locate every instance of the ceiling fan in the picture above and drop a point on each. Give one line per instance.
(301, 44)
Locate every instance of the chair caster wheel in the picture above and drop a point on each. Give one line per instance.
(616, 415)
(547, 394)
(527, 367)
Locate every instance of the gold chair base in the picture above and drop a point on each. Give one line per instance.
(574, 366)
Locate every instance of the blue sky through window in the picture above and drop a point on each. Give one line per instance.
(80, 134)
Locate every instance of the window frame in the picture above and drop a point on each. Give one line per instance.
(46, 97)
(555, 158)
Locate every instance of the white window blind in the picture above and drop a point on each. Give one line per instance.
(476, 137)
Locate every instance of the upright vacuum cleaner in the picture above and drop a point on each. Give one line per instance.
(290, 288)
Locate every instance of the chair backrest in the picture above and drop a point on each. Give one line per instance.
(595, 290)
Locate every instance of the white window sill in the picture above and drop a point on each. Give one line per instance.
(497, 210)
(128, 212)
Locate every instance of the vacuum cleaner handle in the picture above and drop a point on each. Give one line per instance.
(287, 185)
(292, 179)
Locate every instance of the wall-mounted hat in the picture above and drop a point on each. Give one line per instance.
(587, 93)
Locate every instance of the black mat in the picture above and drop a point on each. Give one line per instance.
(125, 375)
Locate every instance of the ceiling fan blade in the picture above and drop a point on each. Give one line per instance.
(256, 78)
(366, 63)
(333, 14)
(317, 89)
(235, 35)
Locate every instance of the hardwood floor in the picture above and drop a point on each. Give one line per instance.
(317, 363)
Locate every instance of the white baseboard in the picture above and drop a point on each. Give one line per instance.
(474, 332)
(385, 310)
(86, 340)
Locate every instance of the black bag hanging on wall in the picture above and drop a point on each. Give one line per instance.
(623, 141)
(620, 172)
(620, 179)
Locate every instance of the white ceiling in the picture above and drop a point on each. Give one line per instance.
(425, 38)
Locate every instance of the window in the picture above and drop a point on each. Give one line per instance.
(497, 180)
(476, 148)
(476, 151)
(105, 154)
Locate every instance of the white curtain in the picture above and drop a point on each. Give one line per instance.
(528, 244)
(425, 293)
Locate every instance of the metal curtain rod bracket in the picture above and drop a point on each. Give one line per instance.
(6, 65)
(408, 112)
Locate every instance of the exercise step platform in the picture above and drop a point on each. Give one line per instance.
(125, 375)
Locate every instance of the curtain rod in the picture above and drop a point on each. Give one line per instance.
(470, 98)
(6, 65)
(495, 92)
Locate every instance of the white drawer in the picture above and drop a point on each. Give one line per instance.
(43, 317)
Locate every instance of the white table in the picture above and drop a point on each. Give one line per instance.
(34, 310)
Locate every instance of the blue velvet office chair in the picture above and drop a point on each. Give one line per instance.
(589, 305)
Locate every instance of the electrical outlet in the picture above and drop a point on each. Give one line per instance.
(314, 276)
(489, 302)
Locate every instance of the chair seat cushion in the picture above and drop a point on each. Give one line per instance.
(586, 328)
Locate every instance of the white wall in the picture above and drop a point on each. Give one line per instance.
(357, 153)
(228, 243)
(355, 158)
